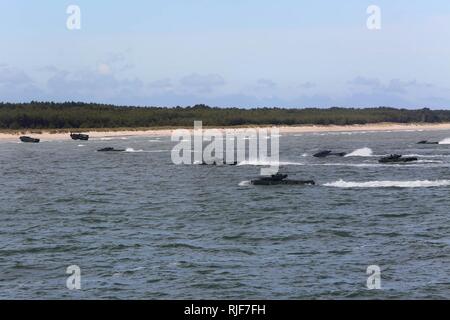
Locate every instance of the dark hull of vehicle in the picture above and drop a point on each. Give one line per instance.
(427, 142)
(79, 136)
(29, 140)
(327, 153)
(110, 150)
(400, 160)
(217, 164)
(282, 182)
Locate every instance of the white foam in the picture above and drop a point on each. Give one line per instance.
(132, 150)
(389, 184)
(445, 141)
(347, 164)
(146, 151)
(419, 163)
(427, 155)
(340, 133)
(429, 161)
(158, 151)
(269, 163)
(363, 152)
(244, 183)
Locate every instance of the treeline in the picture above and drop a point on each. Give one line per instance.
(50, 115)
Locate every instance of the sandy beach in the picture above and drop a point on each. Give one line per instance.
(46, 135)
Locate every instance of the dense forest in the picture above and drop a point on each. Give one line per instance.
(50, 115)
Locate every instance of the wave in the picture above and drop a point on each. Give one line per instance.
(428, 155)
(146, 151)
(341, 164)
(445, 141)
(348, 133)
(132, 150)
(269, 163)
(419, 163)
(429, 161)
(363, 152)
(244, 183)
(126, 271)
(389, 184)
(158, 151)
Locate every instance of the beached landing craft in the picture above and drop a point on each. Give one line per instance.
(396, 158)
(29, 139)
(109, 149)
(327, 153)
(280, 179)
(79, 136)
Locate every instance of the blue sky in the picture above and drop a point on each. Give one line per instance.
(249, 53)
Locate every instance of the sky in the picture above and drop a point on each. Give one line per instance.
(227, 53)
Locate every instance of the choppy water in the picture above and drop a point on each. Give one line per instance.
(140, 227)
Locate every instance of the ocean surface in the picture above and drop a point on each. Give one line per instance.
(140, 227)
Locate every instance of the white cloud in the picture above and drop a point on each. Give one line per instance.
(202, 83)
(104, 86)
(266, 83)
(17, 86)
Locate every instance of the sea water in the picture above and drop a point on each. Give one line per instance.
(141, 227)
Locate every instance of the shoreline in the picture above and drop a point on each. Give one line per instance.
(63, 134)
